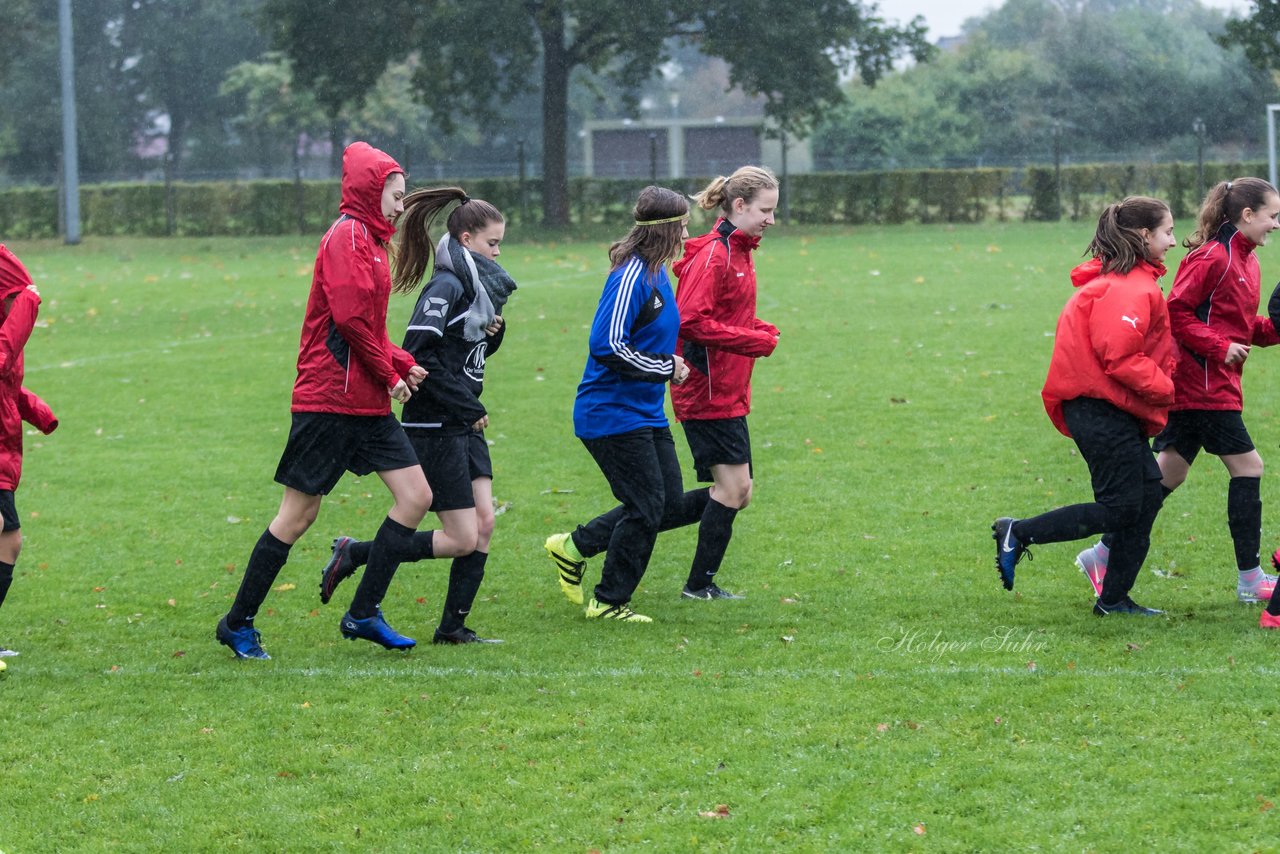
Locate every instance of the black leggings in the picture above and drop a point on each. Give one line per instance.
(644, 475)
(1126, 491)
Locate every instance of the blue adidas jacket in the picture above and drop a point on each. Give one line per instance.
(632, 341)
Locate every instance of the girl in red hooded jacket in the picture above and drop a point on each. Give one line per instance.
(1109, 388)
(1213, 309)
(348, 374)
(19, 303)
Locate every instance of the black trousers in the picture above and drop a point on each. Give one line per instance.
(1126, 492)
(680, 508)
(644, 475)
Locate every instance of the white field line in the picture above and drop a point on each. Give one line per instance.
(224, 666)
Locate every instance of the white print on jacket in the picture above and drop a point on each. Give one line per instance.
(1132, 321)
(474, 366)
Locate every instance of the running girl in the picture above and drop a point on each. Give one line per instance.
(618, 411)
(455, 325)
(348, 373)
(19, 304)
(1213, 309)
(1109, 388)
(720, 339)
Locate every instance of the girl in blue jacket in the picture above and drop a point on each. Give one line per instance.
(618, 413)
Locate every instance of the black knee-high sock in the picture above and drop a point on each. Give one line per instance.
(1244, 519)
(423, 548)
(6, 578)
(465, 575)
(392, 545)
(714, 532)
(268, 556)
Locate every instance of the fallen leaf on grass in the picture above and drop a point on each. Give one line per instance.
(179, 653)
(882, 727)
(555, 490)
(918, 830)
(1132, 647)
(721, 811)
(787, 638)
(284, 588)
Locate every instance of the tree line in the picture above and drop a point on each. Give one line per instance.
(1151, 79)
(217, 84)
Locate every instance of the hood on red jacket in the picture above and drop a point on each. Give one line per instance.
(14, 277)
(365, 170)
(1092, 269)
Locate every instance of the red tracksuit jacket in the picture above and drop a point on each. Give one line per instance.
(1213, 302)
(720, 335)
(18, 308)
(346, 362)
(1113, 343)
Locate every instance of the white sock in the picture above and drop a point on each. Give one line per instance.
(1102, 551)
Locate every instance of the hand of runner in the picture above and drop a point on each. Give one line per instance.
(681, 372)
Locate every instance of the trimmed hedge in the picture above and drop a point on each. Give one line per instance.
(252, 208)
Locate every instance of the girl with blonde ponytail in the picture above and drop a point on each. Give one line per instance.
(1109, 389)
(720, 339)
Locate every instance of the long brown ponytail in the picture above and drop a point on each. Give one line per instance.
(416, 246)
(1118, 240)
(1225, 202)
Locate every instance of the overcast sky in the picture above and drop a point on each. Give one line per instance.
(945, 16)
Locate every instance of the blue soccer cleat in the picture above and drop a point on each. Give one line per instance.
(245, 643)
(1008, 550)
(375, 629)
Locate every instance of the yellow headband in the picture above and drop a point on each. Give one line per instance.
(662, 221)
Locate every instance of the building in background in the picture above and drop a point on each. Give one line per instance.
(681, 148)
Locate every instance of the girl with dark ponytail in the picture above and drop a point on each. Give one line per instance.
(1109, 389)
(456, 324)
(1213, 310)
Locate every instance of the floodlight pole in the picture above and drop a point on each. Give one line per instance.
(70, 155)
(1271, 140)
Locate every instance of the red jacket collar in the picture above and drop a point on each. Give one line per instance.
(734, 235)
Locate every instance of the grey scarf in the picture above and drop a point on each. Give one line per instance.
(494, 285)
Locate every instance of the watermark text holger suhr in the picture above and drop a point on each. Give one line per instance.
(1002, 639)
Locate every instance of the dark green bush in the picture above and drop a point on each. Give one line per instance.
(254, 208)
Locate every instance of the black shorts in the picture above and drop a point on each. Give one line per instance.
(324, 445)
(1220, 432)
(717, 442)
(9, 510)
(451, 463)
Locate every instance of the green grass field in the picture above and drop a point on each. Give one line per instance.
(877, 690)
